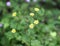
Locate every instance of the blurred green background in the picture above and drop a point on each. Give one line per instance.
(29, 22)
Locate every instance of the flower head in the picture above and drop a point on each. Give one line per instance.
(36, 22)
(1, 25)
(31, 26)
(34, 0)
(27, 1)
(13, 31)
(14, 14)
(31, 14)
(8, 3)
(53, 34)
(36, 9)
(59, 17)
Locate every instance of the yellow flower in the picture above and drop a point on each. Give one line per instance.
(14, 14)
(31, 26)
(59, 17)
(36, 22)
(31, 14)
(13, 31)
(36, 9)
(53, 34)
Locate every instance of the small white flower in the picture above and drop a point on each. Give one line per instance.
(27, 0)
(8, 3)
(34, 0)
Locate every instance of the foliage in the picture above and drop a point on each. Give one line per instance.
(30, 23)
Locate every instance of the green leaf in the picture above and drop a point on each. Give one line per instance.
(35, 43)
(5, 22)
